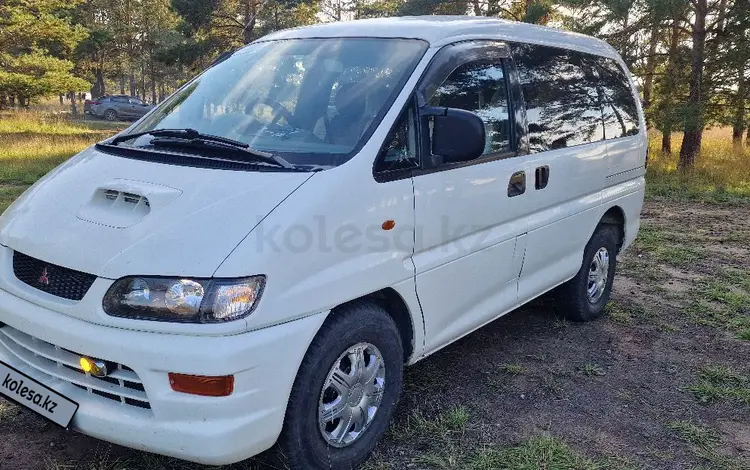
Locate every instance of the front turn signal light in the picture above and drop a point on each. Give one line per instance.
(201, 385)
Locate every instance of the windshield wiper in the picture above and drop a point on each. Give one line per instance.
(193, 138)
(180, 133)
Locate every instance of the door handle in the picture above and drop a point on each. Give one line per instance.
(541, 177)
(517, 184)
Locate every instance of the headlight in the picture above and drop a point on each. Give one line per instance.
(183, 300)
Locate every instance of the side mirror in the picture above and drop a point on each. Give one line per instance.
(457, 135)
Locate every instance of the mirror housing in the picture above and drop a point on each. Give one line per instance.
(457, 136)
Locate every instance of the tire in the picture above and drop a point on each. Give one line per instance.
(110, 115)
(302, 439)
(574, 298)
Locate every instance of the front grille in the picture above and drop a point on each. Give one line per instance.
(52, 279)
(122, 385)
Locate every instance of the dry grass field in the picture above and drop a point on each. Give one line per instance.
(661, 382)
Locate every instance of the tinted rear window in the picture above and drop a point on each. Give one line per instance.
(618, 104)
(573, 98)
(562, 100)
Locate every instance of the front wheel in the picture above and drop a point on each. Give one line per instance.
(583, 298)
(110, 115)
(346, 390)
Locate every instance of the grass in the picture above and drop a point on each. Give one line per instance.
(617, 313)
(723, 302)
(448, 422)
(8, 411)
(542, 452)
(721, 173)
(537, 453)
(513, 369)
(720, 382)
(591, 369)
(666, 248)
(703, 441)
(32, 144)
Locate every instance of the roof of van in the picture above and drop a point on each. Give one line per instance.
(439, 30)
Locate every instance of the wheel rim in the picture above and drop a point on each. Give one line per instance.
(351, 395)
(110, 116)
(598, 275)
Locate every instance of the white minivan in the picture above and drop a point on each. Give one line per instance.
(257, 258)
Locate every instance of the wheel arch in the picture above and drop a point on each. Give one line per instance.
(396, 307)
(615, 216)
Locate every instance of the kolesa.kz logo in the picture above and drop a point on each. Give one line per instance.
(17, 387)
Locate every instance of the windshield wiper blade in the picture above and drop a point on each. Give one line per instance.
(244, 151)
(193, 138)
(179, 133)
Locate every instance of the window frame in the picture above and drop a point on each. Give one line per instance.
(382, 176)
(442, 64)
(595, 66)
(624, 73)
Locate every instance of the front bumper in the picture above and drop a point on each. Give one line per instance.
(207, 430)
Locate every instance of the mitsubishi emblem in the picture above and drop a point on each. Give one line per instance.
(44, 278)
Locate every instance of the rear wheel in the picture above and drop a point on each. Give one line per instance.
(583, 298)
(110, 115)
(345, 391)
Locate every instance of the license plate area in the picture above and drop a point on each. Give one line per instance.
(22, 389)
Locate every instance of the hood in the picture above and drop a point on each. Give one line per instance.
(112, 216)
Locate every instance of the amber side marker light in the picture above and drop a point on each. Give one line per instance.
(200, 385)
(388, 224)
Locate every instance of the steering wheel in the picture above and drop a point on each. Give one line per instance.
(279, 110)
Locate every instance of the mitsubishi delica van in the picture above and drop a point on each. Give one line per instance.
(256, 259)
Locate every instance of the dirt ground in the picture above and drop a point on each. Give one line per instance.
(661, 382)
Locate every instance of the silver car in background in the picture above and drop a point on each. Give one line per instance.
(117, 107)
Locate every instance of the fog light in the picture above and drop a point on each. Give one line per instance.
(200, 385)
(95, 368)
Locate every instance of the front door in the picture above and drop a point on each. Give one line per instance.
(470, 217)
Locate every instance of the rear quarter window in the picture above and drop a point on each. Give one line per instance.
(562, 100)
(618, 104)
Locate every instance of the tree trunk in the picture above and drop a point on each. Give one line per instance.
(249, 11)
(668, 104)
(738, 121)
(133, 91)
(122, 84)
(648, 84)
(143, 83)
(98, 89)
(153, 85)
(666, 142)
(73, 105)
(477, 8)
(693, 119)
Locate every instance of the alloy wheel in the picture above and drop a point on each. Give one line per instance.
(598, 275)
(352, 394)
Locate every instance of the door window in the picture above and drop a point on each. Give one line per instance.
(119, 99)
(399, 151)
(562, 100)
(479, 87)
(619, 108)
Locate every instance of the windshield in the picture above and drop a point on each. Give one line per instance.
(311, 101)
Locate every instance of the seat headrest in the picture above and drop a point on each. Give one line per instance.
(350, 100)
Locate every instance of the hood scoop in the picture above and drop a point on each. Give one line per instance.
(123, 203)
